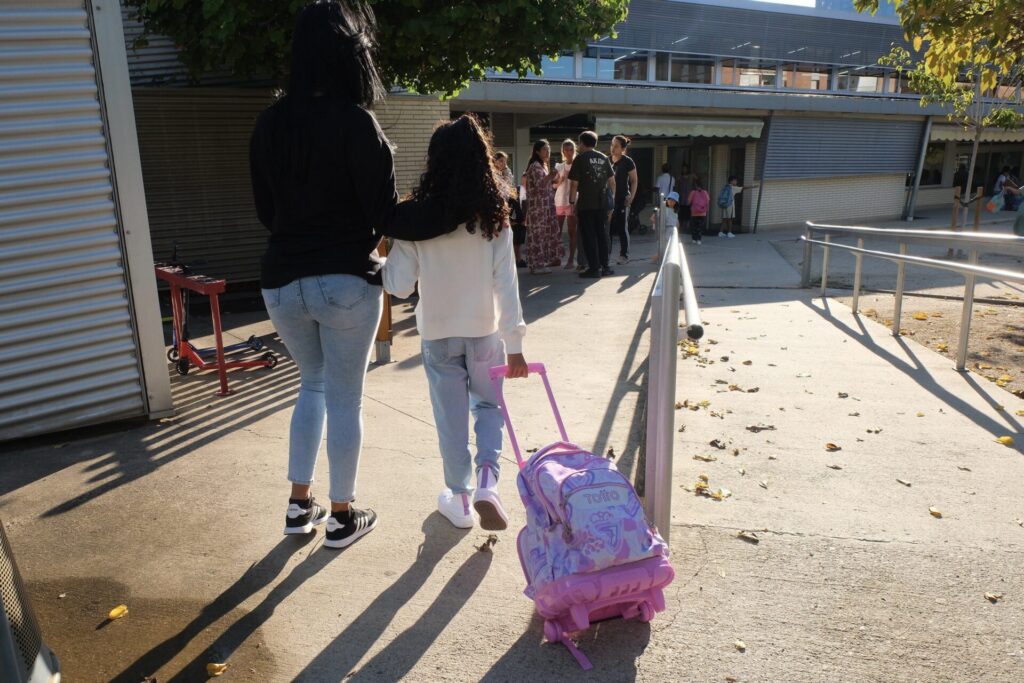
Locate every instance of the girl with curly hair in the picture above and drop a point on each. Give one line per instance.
(468, 314)
(543, 243)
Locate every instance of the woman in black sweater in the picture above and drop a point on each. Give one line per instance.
(323, 180)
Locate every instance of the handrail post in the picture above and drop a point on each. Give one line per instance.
(856, 276)
(901, 273)
(965, 314)
(977, 208)
(824, 267)
(805, 267)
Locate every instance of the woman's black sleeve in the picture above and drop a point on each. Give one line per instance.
(372, 169)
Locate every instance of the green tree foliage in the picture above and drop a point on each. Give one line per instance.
(425, 45)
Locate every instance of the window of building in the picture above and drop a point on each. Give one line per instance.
(676, 68)
(861, 79)
(623, 65)
(935, 156)
(590, 61)
(562, 69)
(805, 76)
(747, 73)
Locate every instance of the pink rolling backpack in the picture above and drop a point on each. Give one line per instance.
(587, 550)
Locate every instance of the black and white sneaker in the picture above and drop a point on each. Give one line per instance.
(303, 516)
(345, 528)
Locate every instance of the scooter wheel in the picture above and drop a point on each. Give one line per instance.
(172, 354)
(255, 342)
(270, 358)
(182, 366)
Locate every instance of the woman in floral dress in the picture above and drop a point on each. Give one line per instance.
(543, 243)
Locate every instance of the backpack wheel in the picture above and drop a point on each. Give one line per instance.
(552, 631)
(646, 611)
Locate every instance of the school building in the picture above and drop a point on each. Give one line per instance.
(789, 99)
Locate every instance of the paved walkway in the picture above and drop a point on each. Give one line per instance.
(853, 579)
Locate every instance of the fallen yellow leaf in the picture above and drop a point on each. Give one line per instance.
(920, 414)
(934, 512)
(942, 346)
(118, 612)
(1004, 378)
(993, 597)
(215, 669)
(705, 458)
(1020, 413)
(1005, 440)
(831, 447)
(920, 316)
(984, 366)
(740, 645)
(703, 478)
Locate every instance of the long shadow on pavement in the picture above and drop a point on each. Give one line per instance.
(340, 657)
(912, 367)
(257, 577)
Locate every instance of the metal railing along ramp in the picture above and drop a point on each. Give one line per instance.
(972, 243)
(673, 284)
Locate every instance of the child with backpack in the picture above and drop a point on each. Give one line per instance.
(727, 203)
(468, 315)
(699, 202)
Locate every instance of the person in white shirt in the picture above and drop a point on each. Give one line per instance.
(563, 209)
(666, 182)
(469, 306)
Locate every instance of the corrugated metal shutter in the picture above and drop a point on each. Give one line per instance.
(822, 147)
(67, 347)
(194, 145)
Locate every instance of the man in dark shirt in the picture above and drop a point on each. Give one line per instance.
(590, 174)
(625, 192)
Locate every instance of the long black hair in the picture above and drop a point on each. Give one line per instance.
(333, 53)
(460, 174)
(537, 147)
(332, 65)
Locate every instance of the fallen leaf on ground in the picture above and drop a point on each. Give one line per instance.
(682, 428)
(753, 390)
(748, 362)
(748, 536)
(763, 484)
(679, 405)
(1020, 522)
(492, 540)
(705, 458)
(721, 381)
(735, 387)
(760, 428)
(743, 471)
(942, 346)
(843, 394)
(920, 316)
(901, 481)
(934, 512)
(875, 430)
(735, 451)
(214, 669)
(62, 596)
(1019, 413)
(920, 414)
(703, 478)
(1005, 440)
(832, 448)
(963, 469)
(803, 375)
(118, 612)
(984, 366)
(532, 450)
(834, 467)
(854, 414)
(740, 645)
(717, 444)
(704, 404)
(993, 597)
(772, 457)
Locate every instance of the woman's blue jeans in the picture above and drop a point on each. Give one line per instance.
(328, 323)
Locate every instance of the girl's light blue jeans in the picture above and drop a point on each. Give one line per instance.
(459, 385)
(328, 323)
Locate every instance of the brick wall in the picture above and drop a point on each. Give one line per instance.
(789, 202)
(408, 121)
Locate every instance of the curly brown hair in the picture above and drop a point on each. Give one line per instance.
(460, 174)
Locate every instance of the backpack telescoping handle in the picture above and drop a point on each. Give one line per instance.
(497, 375)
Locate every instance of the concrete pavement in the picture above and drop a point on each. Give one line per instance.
(852, 580)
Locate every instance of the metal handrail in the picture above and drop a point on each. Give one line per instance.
(672, 283)
(945, 238)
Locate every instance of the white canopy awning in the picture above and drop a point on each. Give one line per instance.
(950, 132)
(636, 126)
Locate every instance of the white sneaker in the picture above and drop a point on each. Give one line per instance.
(487, 502)
(721, 234)
(455, 507)
(729, 234)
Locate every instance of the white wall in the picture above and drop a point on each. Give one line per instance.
(790, 202)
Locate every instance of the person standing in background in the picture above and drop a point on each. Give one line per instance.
(515, 207)
(699, 202)
(543, 246)
(665, 183)
(563, 209)
(729, 193)
(625, 192)
(684, 188)
(590, 175)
